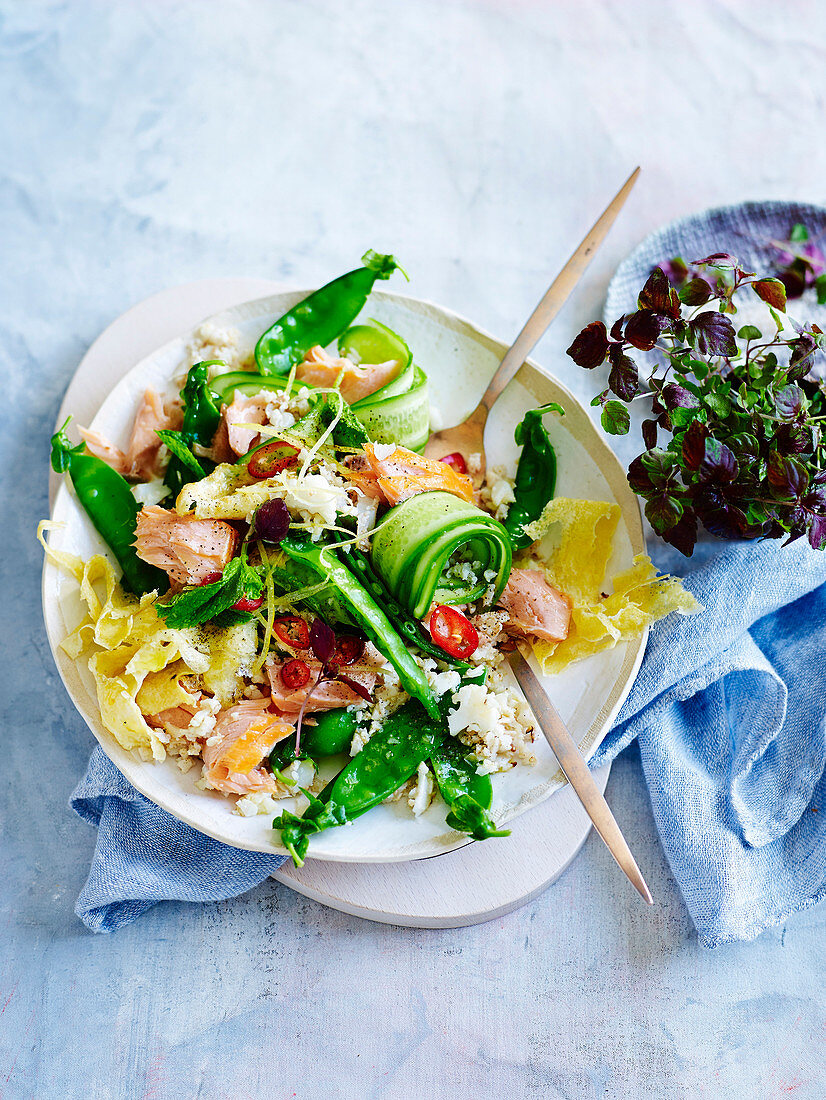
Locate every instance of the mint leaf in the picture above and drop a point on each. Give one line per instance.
(616, 420)
(198, 604)
(179, 449)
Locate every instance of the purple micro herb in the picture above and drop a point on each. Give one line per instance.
(738, 411)
(355, 686)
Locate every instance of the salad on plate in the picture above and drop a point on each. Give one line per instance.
(309, 611)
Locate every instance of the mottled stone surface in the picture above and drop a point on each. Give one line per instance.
(150, 144)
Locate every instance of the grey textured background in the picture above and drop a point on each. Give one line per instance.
(150, 144)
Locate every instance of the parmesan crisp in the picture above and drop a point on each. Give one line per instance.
(582, 532)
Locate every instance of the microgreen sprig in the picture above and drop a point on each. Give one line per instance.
(741, 412)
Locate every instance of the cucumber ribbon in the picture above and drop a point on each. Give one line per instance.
(417, 539)
(399, 412)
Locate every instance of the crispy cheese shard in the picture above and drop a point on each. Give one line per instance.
(580, 534)
(137, 661)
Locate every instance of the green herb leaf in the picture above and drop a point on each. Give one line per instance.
(615, 419)
(749, 332)
(179, 449)
(771, 291)
(200, 604)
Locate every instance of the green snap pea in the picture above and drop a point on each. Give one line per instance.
(201, 418)
(331, 734)
(389, 759)
(535, 474)
(108, 501)
(468, 795)
(320, 317)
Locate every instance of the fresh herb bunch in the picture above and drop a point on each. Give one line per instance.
(744, 414)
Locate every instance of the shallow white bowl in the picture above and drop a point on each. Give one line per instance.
(459, 358)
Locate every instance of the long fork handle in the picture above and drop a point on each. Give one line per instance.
(555, 298)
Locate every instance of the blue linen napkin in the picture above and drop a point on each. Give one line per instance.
(729, 708)
(144, 855)
(730, 711)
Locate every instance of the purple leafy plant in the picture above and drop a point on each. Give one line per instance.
(740, 414)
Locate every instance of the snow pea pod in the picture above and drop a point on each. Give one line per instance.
(331, 734)
(535, 474)
(468, 795)
(108, 501)
(388, 760)
(370, 617)
(320, 317)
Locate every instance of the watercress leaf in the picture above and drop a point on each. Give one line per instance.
(715, 333)
(794, 439)
(658, 464)
(817, 532)
(638, 477)
(696, 292)
(683, 535)
(793, 279)
(716, 259)
(643, 328)
(726, 522)
(799, 233)
(659, 295)
(663, 511)
(649, 433)
(694, 444)
(771, 291)
(676, 269)
(719, 464)
(590, 347)
(745, 447)
(802, 357)
(624, 377)
(789, 402)
(678, 397)
(749, 332)
(787, 476)
(719, 404)
(820, 289)
(616, 420)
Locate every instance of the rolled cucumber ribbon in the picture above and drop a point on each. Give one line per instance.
(413, 548)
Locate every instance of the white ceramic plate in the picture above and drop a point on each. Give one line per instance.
(459, 358)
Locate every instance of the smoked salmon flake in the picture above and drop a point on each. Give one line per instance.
(188, 549)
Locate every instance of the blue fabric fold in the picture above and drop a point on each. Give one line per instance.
(144, 855)
(729, 709)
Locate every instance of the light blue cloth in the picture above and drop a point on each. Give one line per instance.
(730, 712)
(729, 708)
(144, 855)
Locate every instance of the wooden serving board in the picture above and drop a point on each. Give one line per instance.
(476, 883)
